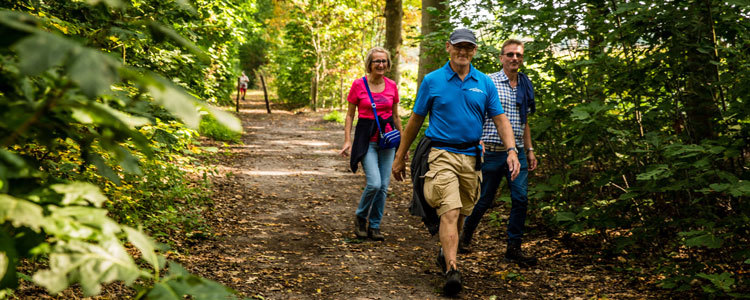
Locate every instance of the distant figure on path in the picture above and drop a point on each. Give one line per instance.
(244, 80)
(458, 98)
(517, 97)
(375, 161)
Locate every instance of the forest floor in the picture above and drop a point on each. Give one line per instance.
(283, 219)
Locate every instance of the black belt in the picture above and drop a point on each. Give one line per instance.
(462, 146)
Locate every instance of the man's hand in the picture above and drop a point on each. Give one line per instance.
(399, 168)
(513, 165)
(532, 160)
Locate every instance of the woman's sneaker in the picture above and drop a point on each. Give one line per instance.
(360, 227)
(374, 234)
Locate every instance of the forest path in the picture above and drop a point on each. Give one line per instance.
(283, 214)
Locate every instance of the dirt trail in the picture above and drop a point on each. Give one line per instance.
(283, 224)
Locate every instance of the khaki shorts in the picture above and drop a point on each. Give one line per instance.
(451, 182)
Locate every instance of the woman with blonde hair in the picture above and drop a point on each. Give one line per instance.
(376, 160)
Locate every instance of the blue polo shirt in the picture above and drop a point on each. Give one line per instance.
(457, 108)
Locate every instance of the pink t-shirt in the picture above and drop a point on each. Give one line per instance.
(384, 101)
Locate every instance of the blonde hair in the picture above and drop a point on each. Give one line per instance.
(511, 42)
(368, 60)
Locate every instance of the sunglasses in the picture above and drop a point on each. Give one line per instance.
(512, 54)
(379, 61)
(467, 47)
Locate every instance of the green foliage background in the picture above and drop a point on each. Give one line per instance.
(641, 129)
(99, 103)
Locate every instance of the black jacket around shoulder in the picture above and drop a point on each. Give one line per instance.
(365, 129)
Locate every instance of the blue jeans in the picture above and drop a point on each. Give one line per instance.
(494, 167)
(377, 165)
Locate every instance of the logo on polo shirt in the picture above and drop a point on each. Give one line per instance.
(477, 90)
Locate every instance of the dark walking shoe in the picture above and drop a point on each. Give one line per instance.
(513, 254)
(463, 244)
(374, 234)
(360, 227)
(453, 284)
(441, 261)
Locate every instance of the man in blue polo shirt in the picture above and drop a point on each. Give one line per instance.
(457, 98)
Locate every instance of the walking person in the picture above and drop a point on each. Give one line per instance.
(517, 97)
(376, 160)
(243, 82)
(458, 98)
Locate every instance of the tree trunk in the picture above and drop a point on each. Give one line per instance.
(597, 10)
(265, 92)
(701, 92)
(428, 61)
(394, 13)
(314, 90)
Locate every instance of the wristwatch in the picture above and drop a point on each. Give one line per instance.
(512, 149)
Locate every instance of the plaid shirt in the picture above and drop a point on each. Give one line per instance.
(507, 96)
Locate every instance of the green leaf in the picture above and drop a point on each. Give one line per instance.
(81, 222)
(564, 216)
(8, 261)
(628, 195)
(163, 291)
(747, 261)
(76, 192)
(741, 188)
(87, 264)
(707, 240)
(21, 212)
(145, 245)
(4, 261)
(740, 3)
(128, 162)
(176, 101)
(93, 71)
(543, 187)
(691, 233)
(576, 227)
(724, 281)
(110, 3)
(41, 51)
(13, 166)
(655, 172)
(579, 114)
(104, 114)
(15, 26)
(225, 118)
(103, 168)
(180, 283)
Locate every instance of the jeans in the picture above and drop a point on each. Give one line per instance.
(377, 165)
(494, 167)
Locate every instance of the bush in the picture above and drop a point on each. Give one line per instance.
(335, 116)
(210, 127)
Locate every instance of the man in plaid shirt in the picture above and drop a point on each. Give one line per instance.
(517, 97)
